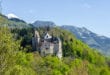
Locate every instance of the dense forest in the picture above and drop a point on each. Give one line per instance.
(18, 58)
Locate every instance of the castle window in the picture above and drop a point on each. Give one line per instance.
(47, 48)
(42, 40)
(55, 43)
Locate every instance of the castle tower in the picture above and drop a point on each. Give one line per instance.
(36, 40)
(59, 53)
(37, 36)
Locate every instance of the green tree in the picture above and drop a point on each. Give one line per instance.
(8, 50)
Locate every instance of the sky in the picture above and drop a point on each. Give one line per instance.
(92, 14)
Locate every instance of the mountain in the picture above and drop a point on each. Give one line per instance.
(12, 21)
(44, 23)
(15, 18)
(94, 40)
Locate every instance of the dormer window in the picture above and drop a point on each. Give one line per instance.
(47, 36)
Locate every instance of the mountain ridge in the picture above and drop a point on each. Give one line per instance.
(102, 43)
(40, 23)
(13, 22)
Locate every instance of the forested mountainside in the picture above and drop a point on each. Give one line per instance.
(18, 58)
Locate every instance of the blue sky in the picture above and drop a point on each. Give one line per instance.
(92, 14)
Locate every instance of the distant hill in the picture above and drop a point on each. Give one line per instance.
(17, 20)
(94, 40)
(44, 23)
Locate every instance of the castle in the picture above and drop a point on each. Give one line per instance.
(47, 44)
